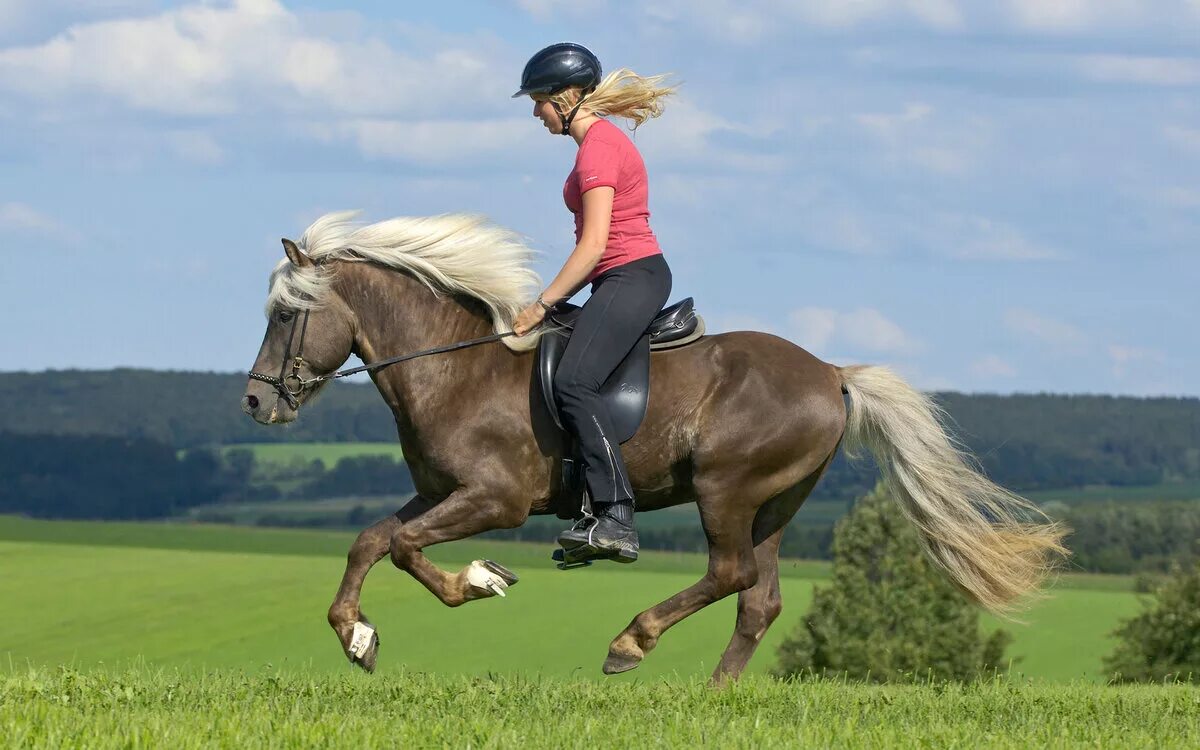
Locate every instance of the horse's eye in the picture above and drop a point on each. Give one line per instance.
(286, 315)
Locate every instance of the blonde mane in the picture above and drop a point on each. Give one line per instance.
(450, 254)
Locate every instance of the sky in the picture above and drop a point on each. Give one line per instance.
(990, 196)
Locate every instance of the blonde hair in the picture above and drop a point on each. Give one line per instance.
(622, 93)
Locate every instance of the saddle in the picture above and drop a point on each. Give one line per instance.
(627, 391)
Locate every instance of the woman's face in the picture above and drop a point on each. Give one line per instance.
(544, 111)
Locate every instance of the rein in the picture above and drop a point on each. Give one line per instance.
(291, 386)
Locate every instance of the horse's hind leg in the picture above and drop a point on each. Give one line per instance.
(758, 606)
(731, 568)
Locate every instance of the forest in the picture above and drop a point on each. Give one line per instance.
(139, 444)
(1025, 442)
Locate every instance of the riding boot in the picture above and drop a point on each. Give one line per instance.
(609, 535)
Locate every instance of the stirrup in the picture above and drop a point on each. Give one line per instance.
(586, 554)
(560, 556)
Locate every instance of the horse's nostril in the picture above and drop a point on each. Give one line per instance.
(252, 402)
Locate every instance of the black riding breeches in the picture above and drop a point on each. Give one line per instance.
(624, 301)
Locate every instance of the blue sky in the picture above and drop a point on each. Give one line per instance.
(990, 196)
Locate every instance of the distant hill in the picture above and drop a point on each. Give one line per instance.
(1026, 442)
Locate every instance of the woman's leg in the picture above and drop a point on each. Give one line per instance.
(615, 317)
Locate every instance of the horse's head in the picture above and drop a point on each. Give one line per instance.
(310, 332)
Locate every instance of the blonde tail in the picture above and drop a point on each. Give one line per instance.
(995, 545)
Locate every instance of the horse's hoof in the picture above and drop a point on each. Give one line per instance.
(486, 575)
(364, 647)
(618, 663)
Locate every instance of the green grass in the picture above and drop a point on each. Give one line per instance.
(199, 597)
(150, 708)
(326, 453)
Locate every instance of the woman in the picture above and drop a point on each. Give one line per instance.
(615, 251)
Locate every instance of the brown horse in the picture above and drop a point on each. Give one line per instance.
(743, 424)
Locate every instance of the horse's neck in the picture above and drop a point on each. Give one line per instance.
(396, 314)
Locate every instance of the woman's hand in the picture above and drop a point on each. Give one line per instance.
(529, 318)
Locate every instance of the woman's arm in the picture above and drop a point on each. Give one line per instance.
(597, 216)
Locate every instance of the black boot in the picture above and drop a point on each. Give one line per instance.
(609, 535)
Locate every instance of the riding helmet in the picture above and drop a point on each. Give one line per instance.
(558, 67)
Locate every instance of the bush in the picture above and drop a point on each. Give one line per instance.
(889, 615)
(1162, 643)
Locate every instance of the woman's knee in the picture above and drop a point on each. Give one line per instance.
(570, 387)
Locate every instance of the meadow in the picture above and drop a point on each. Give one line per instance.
(180, 635)
(200, 597)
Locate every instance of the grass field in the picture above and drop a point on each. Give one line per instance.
(200, 597)
(150, 708)
(326, 453)
(174, 635)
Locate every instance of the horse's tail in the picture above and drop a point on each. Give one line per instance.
(994, 544)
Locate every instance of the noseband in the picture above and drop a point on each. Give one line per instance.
(291, 386)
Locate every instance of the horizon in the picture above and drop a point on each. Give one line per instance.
(364, 381)
(991, 198)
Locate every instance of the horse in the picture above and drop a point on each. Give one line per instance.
(743, 424)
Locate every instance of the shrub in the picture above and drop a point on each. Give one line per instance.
(1163, 642)
(888, 615)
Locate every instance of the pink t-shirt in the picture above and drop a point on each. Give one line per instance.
(608, 158)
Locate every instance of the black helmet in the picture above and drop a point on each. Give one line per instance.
(560, 66)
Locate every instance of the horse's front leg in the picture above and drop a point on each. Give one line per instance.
(466, 512)
(370, 547)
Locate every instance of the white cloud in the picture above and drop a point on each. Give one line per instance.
(992, 366)
(196, 146)
(22, 218)
(738, 322)
(1044, 329)
(748, 21)
(1179, 197)
(430, 141)
(1126, 360)
(814, 326)
(889, 126)
(247, 56)
(1186, 138)
(1151, 71)
(913, 138)
(981, 238)
(1070, 15)
(686, 132)
(544, 10)
(864, 330)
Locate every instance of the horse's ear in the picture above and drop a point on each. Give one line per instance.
(295, 255)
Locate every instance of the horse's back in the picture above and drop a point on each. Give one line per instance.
(740, 389)
(729, 358)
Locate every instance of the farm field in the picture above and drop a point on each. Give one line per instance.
(326, 453)
(201, 597)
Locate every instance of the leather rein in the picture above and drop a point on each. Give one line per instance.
(291, 386)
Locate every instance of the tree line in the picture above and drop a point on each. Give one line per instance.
(117, 478)
(104, 477)
(1025, 442)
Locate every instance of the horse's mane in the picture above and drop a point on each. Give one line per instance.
(451, 253)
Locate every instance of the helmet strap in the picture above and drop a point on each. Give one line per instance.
(567, 118)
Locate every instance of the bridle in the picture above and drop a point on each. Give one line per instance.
(291, 386)
(283, 383)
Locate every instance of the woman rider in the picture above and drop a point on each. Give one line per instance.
(615, 251)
